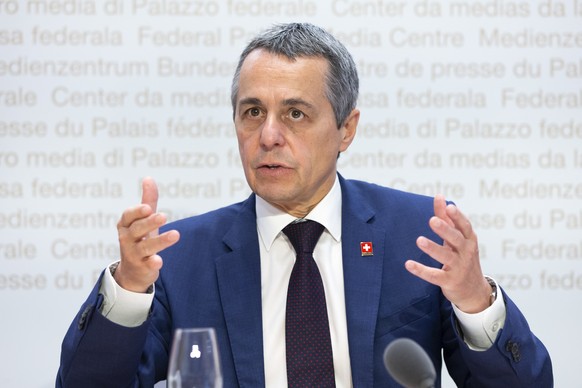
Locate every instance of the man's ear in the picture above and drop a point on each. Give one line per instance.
(349, 129)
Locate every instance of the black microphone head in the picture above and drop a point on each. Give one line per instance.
(408, 364)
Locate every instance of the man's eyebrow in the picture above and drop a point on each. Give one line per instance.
(250, 101)
(297, 101)
(286, 102)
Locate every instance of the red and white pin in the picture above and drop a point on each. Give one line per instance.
(367, 248)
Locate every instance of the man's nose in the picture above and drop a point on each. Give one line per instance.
(272, 132)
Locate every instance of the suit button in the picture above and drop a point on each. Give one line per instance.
(513, 348)
(83, 318)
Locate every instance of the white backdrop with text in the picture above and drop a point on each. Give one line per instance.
(478, 100)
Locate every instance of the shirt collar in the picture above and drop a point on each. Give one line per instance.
(271, 220)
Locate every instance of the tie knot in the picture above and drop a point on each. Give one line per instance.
(303, 235)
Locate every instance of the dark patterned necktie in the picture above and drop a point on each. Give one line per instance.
(307, 339)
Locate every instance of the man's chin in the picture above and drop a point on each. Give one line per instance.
(274, 197)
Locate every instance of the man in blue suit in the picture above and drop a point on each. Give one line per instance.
(392, 264)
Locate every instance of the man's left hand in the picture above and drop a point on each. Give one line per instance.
(460, 277)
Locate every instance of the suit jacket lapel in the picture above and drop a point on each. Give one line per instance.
(239, 281)
(362, 281)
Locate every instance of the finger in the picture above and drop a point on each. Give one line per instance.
(145, 227)
(461, 222)
(152, 246)
(456, 244)
(432, 275)
(138, 254)
(441, 253)
(133, 214)
(154, 263)
(149, 194)
(440, 209)
(450, 234)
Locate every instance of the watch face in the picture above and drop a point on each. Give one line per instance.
(493, 296)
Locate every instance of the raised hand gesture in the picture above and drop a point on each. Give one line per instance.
(140, 241)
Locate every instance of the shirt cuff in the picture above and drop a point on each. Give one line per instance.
(126, 308)
(481, 329)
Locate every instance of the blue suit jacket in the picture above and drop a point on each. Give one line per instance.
(211, 278)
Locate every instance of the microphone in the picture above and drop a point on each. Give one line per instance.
(408, 364)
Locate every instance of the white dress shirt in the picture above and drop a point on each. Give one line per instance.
(277, 260)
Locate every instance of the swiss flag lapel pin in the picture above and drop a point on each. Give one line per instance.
(367, 248)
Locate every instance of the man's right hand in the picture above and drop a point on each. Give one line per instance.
(140, 242)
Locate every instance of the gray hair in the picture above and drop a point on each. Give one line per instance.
(295, 40)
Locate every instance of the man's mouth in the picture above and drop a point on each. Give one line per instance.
(271, 166)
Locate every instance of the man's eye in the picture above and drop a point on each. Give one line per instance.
(254, 112)
(296, 114)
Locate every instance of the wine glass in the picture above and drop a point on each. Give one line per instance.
(194, 359)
